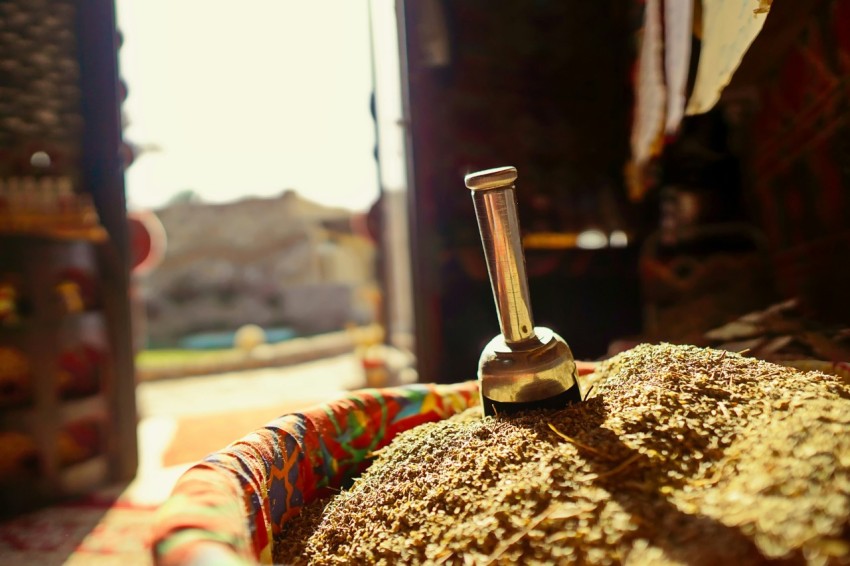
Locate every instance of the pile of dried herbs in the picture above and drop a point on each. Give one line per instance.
(681, 455)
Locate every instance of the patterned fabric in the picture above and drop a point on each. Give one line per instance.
(95, 529)
(800, 145)
(241, 496)
(801, 134)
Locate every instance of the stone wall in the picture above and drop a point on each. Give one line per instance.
(282, 261)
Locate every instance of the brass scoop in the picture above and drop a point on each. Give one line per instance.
(524, 367)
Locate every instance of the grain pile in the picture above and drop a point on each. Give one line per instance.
(681, 455)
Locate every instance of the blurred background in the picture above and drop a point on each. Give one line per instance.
(271, 223)
(213, 212)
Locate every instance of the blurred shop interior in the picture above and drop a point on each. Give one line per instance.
(684, 176)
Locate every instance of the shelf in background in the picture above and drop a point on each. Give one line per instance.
(87, 407)
(22, 418)
(17, 418)
(81, 478)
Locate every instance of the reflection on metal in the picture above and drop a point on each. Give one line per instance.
(493, 196)
(524, 367)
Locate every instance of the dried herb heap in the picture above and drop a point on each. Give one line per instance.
(681, 455)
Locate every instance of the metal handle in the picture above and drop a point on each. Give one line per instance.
(495, 208)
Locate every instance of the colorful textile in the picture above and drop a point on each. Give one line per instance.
(236, 501)
(797, 160)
